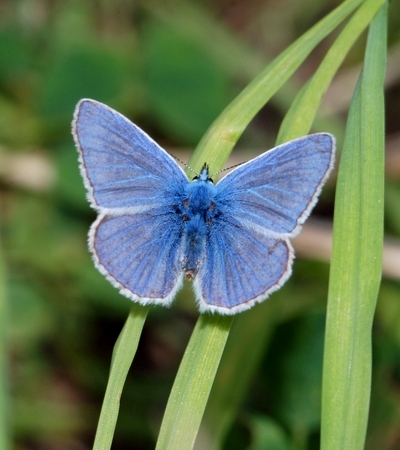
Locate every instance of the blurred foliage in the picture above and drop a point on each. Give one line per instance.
(172, 75)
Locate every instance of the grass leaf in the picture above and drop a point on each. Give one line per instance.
(181, 425)
(193, 382)
(227, 396)
(356, 256)
(4, 401)
(217, 143)
(123, 354)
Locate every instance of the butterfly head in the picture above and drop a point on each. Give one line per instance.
(204, 175)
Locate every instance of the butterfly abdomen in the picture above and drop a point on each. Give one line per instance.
(198, 210)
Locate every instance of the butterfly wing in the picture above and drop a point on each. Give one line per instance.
(139, 254)
(121, 165)
(262, 203)
(242, 267)
(134, 184)
(276, 191)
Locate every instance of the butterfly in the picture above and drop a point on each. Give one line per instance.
(155, 226)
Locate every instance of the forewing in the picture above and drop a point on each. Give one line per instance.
(242, 267)
(121, 165)
(276, 191)
(139, 254)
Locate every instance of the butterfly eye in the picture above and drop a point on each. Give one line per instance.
(177, 209)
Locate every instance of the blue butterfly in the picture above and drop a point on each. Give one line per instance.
(155, 226)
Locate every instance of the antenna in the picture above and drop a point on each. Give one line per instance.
(227, 168)
(186, 165)
(212, 175)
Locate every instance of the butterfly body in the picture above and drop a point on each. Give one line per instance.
(156, 227)
(199, 211)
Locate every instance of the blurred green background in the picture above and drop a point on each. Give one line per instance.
(171, 67)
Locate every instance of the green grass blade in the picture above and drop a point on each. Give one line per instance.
(245, 347)
(239, 361)
(180, 424)
(299, 118)
(240, 59)
(123, 354)
(301, 114)
(4, 401)
(356, 256)
(193, 383)
(223, 134)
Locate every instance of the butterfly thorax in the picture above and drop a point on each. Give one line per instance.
(198, 211)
